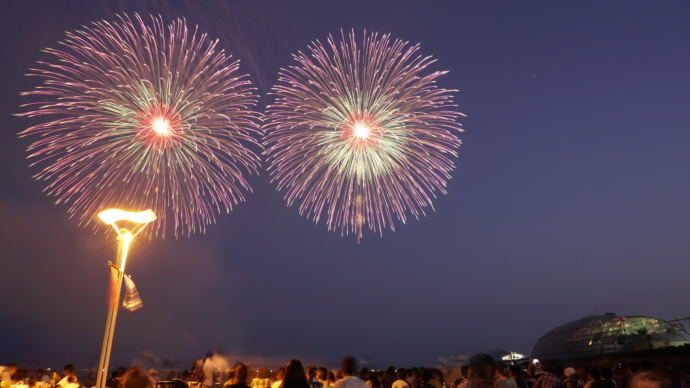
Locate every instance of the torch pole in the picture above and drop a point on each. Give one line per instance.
(125, 238)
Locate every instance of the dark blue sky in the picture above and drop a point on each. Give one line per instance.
(571, 195)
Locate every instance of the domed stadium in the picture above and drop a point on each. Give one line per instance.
(608, 333)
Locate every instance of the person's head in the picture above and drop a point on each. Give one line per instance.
(374, 380)
(280, 374)
(391, 370)
(263, 373)
(241, 373)
(348, 366)
(331, 377)
(322, 373)
(581, 372)
(551, 366)
(465, 372)
(514, 371)
(69, 370)
(311, 372)
(501, 370)
(605, 373)
(569, 373)
(594, 374)
(294, 376)
(401, 373)
(11, 368)
(134, 371)
(633, 367)
(481, 366)
(425, 375)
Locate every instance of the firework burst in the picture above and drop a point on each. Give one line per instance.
(144, 116)
(360, 134)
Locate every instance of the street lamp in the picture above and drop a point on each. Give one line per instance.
(126, 236)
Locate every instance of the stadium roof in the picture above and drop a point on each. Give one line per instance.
(608, 333)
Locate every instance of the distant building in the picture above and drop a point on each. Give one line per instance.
(608, 333)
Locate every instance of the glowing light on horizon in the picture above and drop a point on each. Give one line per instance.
(144, 115)
(512, 356)
(359, 135)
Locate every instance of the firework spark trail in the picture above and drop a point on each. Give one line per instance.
(360, 134)
(146, 117)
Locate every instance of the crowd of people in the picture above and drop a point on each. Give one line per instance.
(11, 376)
(480, 371)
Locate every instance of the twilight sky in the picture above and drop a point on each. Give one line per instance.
(571, 196)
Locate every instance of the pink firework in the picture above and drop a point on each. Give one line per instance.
(144, 116)
(361, 135)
